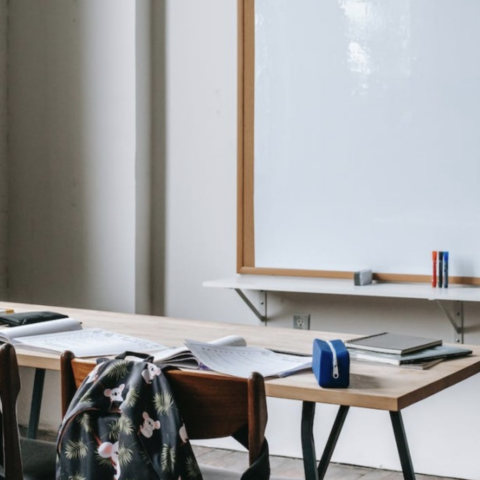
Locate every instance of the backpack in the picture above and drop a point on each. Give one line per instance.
(123, 424)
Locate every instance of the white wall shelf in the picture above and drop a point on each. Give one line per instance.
(457, 294)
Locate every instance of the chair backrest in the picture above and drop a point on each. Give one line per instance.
(212, 406)
(9, 390)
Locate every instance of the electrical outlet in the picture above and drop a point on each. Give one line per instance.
(301, 321)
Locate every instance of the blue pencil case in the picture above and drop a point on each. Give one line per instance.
(331, 363)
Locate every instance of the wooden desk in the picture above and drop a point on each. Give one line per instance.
(377, 387)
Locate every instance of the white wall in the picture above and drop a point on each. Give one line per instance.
(72, 152)
(200, 170)
(75, 235)
(200, 147)
(3, 146)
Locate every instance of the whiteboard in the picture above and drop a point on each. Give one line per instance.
(367, 134)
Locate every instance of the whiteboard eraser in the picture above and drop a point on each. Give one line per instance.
(363, 277)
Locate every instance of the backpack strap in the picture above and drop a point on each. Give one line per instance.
(142, 356)
(260, 469)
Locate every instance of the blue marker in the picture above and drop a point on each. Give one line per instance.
(445, 269)
(440, 269)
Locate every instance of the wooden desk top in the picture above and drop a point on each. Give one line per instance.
(371, 386)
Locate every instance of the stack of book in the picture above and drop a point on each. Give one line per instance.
(406, 350)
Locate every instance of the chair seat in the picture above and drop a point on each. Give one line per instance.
(38, 458)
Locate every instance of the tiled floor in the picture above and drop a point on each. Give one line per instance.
(293, 468)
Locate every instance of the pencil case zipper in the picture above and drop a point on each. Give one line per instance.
(334, 360)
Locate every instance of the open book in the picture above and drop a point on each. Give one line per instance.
(228, 355)
(182, 357)
(56, 336)
(231, 356)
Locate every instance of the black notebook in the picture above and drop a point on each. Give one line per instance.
(392, 343)
(27, 318)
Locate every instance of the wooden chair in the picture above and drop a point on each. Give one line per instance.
(23, 459)
(212, 406)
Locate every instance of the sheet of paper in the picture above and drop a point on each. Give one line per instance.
(52, 326)
(242, 361)
(88, 343)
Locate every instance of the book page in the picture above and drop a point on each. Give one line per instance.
(9, 334)
(242, 361)
(90, 342)
(183, 353)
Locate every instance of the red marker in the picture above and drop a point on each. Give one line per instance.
(434, 276)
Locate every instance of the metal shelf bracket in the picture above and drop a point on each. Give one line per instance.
(260, 311)
(456, 319)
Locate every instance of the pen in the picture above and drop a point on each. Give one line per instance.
(440, 269)
(434, 275)
(287, 352)
(445, 269)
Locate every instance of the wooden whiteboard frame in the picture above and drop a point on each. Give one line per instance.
(245, 171)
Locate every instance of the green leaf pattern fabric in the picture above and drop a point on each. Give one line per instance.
(123, 424)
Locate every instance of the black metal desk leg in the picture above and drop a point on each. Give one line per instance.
(332, 441)
(402, 445)
(308, 442)
(36, 404)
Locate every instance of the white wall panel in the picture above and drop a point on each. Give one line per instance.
(72, 124)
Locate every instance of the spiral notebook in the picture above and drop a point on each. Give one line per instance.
(392, 343)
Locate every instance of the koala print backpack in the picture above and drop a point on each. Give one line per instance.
(122, 424)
